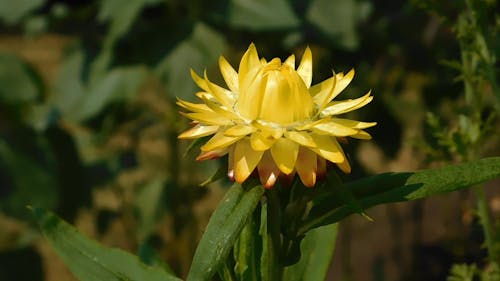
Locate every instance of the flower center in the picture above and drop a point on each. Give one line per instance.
(274, 92)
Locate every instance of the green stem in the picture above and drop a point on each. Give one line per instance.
(470, 64)
(273, 229)
(225, 273)
(484, 218)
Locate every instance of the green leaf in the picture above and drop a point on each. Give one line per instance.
(223, 229)
(462, 272)
(78, 100)
(200, 50)
(118, 84)
(267, 256)
(338, 20)
(148, 255)
(398, 187)
(271, 237)
(18, 84)
(11, 12)
(90, 261)
(121, 14)
(316, 255)
(261, 15)
(247, 251)
(147, 203)
(36, 25)
(69, 87)
(32, 182)
(346, 196)
(219, 174)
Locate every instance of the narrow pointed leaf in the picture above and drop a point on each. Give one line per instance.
(219, 174)
(88, 260)
(316, 255)
(223, 229)
(247, 251)
(398, 187)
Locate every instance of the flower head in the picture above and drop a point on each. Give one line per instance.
(272, 120)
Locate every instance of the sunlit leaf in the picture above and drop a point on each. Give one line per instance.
(223, 229)
(88, 260)
(462, 272)
(398, 187)
(316, 255)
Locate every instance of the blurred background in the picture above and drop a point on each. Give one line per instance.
(89, 125)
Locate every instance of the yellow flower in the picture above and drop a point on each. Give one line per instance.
(272, 120)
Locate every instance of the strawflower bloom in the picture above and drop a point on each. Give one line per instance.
(272, 120)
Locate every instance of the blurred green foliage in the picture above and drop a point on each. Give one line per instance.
(103, 124)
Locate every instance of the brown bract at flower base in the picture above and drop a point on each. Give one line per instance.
(271, 119)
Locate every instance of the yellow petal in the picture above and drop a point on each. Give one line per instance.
(229, 74)
(362, 135)
(208, 118)
(251, 92)
(195, 107)
(219, 141)
(222, 95)
(322, 92)
(308, 125)
(261, 141)
(322, 89)
(268, 129)
(290, 61)
(323, 95)
(245, 160)
(344, 166)
(328, 148)
(249, 61)
(213, 154)
(199, 81)
(333, 128)
(205, 95)
(353, 123)
(306, 166)
(220, 109)
(199, 131)
(305, 67)
(342, 82)
(286, 98)
(239, 130)
(268, 171)
(284, 153)
(339, 107)
(302, 138)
